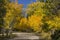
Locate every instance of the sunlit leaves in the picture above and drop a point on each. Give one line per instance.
(12, 14)
(35, 22)
(22, 25)
(35, 13)
(53, 23)
(57, 22)
(35, 8)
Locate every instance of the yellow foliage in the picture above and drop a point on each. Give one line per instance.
(35, 22)
(35, 12)
(22, 24)
(55, 23)
(35, 8)
(41, 4)
(13, 12)
(24, 20)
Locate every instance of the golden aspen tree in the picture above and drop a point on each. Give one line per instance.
(13, 14)
(35, 13)
(35, 22)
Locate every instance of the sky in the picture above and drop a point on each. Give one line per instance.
(25, 2)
